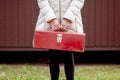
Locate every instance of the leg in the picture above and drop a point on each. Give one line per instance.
(69, 65)
(54, 65)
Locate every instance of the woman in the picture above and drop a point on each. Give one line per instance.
(60, 15)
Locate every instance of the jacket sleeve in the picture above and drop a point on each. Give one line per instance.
(46, 10)
(74, 9)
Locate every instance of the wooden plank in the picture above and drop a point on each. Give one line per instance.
(28, 23)
(34, 13)
(86, 49)
(14, 23)
(21, 22)
(85, 17)
(98, 24)
(8, 38)
(91, 12)
(111, 16)
(117, 23)
(21, 49)
(1, 12)
(104, 26)
(2, 23)
(102, 48)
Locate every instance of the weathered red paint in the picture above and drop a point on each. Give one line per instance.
(70, 41)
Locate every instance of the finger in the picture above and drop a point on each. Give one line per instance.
(68, 27)
(56, 27)
(59, 26)
(63, 26)
(53, 28)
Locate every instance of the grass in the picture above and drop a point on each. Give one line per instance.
(41, 72)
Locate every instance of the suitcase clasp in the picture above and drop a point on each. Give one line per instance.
(59, 38)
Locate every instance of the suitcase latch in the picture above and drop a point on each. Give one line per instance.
(59, 38)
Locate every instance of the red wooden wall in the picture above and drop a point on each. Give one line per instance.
(102, 24)
(101, 19)
(17, 22)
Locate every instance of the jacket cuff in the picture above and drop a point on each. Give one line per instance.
(69, 15)
(49, 16)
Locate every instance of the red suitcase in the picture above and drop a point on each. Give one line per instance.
(59, 40)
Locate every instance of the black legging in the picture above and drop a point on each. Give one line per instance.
(68, 60)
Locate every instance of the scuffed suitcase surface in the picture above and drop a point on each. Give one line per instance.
(59, 40)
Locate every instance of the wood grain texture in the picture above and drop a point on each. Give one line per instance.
(101, 20)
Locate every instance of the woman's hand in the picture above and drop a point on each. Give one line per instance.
(55, 24)
(65, 24)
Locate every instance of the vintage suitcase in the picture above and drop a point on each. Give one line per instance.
(59, 40)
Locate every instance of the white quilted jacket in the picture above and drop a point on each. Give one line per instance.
(50, 9)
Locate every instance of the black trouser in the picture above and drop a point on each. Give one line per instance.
(68, 60)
